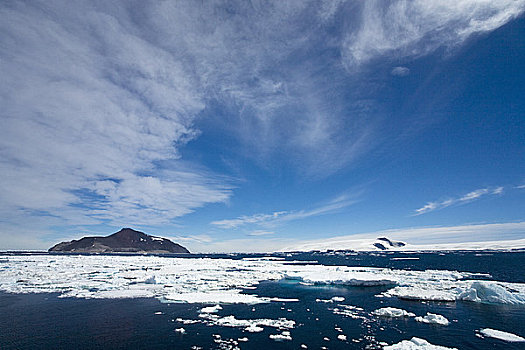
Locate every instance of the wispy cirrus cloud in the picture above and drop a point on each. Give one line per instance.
(468, 197)
(280, 217)
(261, 233)
(89, 108)
(410, 29)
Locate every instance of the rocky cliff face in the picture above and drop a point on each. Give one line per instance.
(126, 240)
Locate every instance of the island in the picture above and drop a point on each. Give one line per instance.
(126, 240)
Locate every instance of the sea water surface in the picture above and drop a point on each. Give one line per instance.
(241, 301)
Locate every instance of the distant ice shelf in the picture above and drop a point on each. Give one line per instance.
(386, 244)
(223, 281)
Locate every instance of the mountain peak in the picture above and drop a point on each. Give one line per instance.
(127, 240)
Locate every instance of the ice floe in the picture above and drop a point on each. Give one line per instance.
(285, 335)
(249, 325)
(433, 318)
(331, 300)
(227, 281)
(506, 336)
(392, 312)
(211, 309)
(350, 311)
(415, 344)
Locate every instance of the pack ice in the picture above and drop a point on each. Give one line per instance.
(216, 281)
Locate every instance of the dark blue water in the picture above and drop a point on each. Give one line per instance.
(44, 321)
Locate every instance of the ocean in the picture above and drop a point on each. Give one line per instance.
(313, 300)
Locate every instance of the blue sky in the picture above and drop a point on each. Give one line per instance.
(248, 126)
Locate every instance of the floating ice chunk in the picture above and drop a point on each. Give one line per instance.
(180, 330)
(280, 337)
(415, 344)
(331, 300)
(183, 321)
(341, 337)
(350, 311)
(494, 333)
(303, 346)
(284, 300)
(346, 277)
(158, 313)
(253, 328)
(421, 293)
(433, 318)
(210, 297)
(491, 293)
(392, 312)
(252, 325)
(244, 339)
(211, 309)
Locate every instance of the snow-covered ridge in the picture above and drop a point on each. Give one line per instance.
(383, 243)
(216, 281)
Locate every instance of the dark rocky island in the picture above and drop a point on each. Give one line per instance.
(126, 240)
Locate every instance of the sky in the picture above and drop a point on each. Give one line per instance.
(254, 125)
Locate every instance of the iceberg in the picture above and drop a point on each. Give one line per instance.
(490, 293)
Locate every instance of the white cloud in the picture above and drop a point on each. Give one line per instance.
(252, 219)
(471, 196)
(200, 239)
(408, 29)
(400, 71)
(88, 109)
(498, 190)
(474, 195)
(261, 233)
(280, 217)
